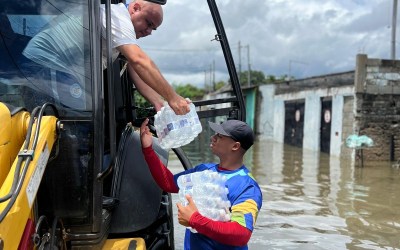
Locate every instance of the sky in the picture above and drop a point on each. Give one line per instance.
(301, 38)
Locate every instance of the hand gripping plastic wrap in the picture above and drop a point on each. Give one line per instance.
(207, 188)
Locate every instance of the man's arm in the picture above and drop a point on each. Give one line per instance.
(229, 233)
(152, 96)
(163, 177)
(150, 74)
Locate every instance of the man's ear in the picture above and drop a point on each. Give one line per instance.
(236, 146)
(137, 7)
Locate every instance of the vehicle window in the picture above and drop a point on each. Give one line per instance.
(44, 46)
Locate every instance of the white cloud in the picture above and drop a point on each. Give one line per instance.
(311, 37)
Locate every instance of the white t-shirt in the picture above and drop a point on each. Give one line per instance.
(122, 30)
(60, 46)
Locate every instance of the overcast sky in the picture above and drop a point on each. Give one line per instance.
(301, 37)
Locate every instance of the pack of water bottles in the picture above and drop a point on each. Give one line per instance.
(207, 188)
(173, 130)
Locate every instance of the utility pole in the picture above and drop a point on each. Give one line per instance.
(211, 83)
(394, 20)
(205, 82)
(240, 61)
(213, 75)
(248, 65)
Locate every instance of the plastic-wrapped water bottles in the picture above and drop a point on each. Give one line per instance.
(207, 188)
(176, 130)
(200, 177)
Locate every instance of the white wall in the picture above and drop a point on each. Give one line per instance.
(279, 121)
(271, 121)
(336, 125)
(266, 114)
(312, 122)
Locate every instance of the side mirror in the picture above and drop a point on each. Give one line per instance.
(162, 2)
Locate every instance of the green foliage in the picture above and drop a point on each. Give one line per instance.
(258, 78)
(144, 107)
(189, 91)
(219, 85)
(140, 101)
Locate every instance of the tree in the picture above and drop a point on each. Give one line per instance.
(256, 78)
(189, 91)
(219, 85)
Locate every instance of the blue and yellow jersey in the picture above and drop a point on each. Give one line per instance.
(245, 197)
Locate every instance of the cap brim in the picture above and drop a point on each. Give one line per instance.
(217, 128)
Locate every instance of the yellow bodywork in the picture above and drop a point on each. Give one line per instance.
(122, 244)
(12, 134)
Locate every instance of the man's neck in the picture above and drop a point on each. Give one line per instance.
(230, 164)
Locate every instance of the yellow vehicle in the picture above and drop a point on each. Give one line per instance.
(72, 175)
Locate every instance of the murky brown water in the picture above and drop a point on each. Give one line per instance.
(313, 201)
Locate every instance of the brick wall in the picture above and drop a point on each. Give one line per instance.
(377, 113)
(347, 125)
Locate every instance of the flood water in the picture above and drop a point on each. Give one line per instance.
(314, 201)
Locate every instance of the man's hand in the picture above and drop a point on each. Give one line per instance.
(179, 105)
(184, 213)
(145, 135)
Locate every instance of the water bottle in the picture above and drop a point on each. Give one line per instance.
(176, 130)
(182, 195)
(198, 178)
(172, 126)
(195, 192)
(194, 120)
(209, 193)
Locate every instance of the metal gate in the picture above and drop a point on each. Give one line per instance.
(294, 123)
(326, 121)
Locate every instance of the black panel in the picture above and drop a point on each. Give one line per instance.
(138, 194)
(326, 121)
(294, 123)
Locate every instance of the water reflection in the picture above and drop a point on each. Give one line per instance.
(314, 201)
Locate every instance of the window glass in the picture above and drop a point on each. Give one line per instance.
(44, 46)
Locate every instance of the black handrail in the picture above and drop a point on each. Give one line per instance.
(111, 101)
(222, 38)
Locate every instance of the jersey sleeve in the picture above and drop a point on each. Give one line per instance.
(160, 173)
(229, 233)
(245, 209)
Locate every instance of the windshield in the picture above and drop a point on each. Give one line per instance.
(45, 55)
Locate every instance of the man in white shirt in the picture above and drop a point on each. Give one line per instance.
(59, 46)
(138, 20)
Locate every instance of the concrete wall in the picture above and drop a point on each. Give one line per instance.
(265, 116)
(278, 120)
(377, 110)
(271, 108)
(348, 126)
(312, 122)
(365, 101)
(337, 125)
(250, 102)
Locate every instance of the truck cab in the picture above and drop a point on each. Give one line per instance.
(72, 175)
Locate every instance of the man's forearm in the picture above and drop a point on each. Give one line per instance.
(230, 233)
(147, 71)
(163, 177)
(145, 90)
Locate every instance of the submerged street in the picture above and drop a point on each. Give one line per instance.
(313, 201)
